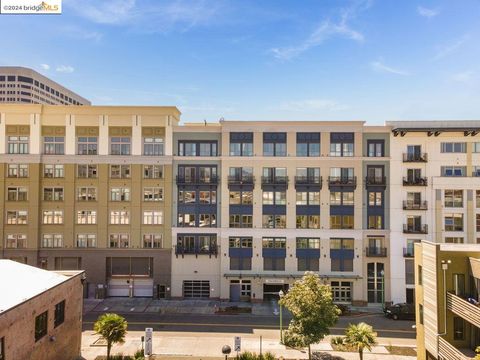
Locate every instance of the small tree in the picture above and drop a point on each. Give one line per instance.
(112, 328)
(477, 351)
(311, 305)
(361, 337)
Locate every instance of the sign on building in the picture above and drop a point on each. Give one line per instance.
(238, 341)
(148, 341)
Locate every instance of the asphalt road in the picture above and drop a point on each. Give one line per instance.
(247, 323)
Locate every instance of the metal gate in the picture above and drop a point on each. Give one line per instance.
(196, 288)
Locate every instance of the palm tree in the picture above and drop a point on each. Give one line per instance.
(112, 328)
(361, 337)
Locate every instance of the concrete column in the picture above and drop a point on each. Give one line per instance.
(291, 143)
(35, 134)
(469, 159)
(325, 144)
(470, 225)
(103, 136)
(70, 140)
(136, 135)
(437, 233)
(168, 137)
(3, 146)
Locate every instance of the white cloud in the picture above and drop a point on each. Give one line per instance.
(313, 104)
(426, 12)
(45, 66)
(67, 69)
(446, 50)
(326, 30)
(379, 66)
(465, 76)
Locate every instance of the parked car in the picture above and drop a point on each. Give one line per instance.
(400, 311)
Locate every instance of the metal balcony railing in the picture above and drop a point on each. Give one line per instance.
(420, 229)
(274, 180)
(342, 181)
(241, 180)
(376, 251)
(415, 181)
(408, 252)
(308, 180)
(196, 180)
(464, 309)
(412, 205)
(376, 181)
(417, 157)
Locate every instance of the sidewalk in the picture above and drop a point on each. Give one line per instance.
(195, 345)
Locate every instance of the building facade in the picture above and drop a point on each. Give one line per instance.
(90, 188)
(19, 85)
(448, 316)
(40, 313)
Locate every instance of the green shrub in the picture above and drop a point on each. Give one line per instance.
(247, 355)
(139, 355)
(337, 340)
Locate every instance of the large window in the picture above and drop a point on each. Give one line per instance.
(341, 291)
(16, 241)
(241, 197)
(308, 221)
(17, 170)
(152, 241)
(197, 148)
(274, 198)
(152, 146)
(375, 222)
(308, 144)
(41, 325)
(341, 222)
(86, 240)
(274, 221)
(341, 254)
(152, 194)
(119, 217)
(341, 144)
(86, 217)
(375, 148)
(308, 243)
(53, 171)
(17, 217)
(87, 145)
(53, 194)
(59, 317)
(274, 144)
(54, 145)
(120, 145)
(120, 171)
(241, 144)
(87, 171)
(458, 328)
(87, 194)
(52, 240)
(119, 241)
(375, 282)
(453, 170)
(119, 194)
(375, 198)
(18, 144)
(454, 222)
(345, 198)
(453, 147)
(453, 198)
(17, 193)
(153, 171)
(240, 221)
(307, 198)
(53, 216)
(152, 217)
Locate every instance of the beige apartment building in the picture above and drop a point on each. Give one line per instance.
(89, 187)
(20, 85)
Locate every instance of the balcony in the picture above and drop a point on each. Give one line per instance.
(464, 309)
(209, 250)
(376, 181)
(411, 205)
(376, 251)
(415, 181)
(241, 180)
(420, 229)
(447, 351)
(421, 157)
(275, 180)
(308, 180)
(191, 180)
(342, 181)
(408, 252)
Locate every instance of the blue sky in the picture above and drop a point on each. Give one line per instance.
(371, 60)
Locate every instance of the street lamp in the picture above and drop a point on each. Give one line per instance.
(382, 274)
(281, 294)
(445, 264)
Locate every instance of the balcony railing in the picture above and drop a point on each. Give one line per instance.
(464, 309)
(376, 181)
(412, 205)
(415, 181)
(342, 181)
(182, 250)
(408, 252)
(376, 251)
(212, 180)
(421, 157)
(241, 180)
(449, 352)
(274, 180)
(308, 180)
(409, 229)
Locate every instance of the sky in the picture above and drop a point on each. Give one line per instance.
(370, 60)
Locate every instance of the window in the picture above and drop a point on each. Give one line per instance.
(476, 171)
(187, 196)
(308, 243)
(453, 147)
(152, 194)
(87, 145)
(240, 221)
(87, 194)
(153, 217)
(120, 171)
(53, 171)
(41, 324)
(420, 314)
(53, 194)
(240, 263)
(87, 171)
(274, 221)
(240, 242)
(341, 198)
(52, 216)
(274, 243)
(308, 221)
(186, 220)
(120, 145)
(207, 197)
(453, 198)
(241, 144)
(207, 220)
(16, 241)
(86, 240)
(197, 148)
(308, 264)
(119, 194)
(308, 198)
(454, 222)
(86, 217)
(375, 222)
(18, 144)
(476, 147)
(341, 254)
(477, 199)
(59, 317)
(420, 275)
(454, 240)
(375, 198)
(241, 197)
(53, 145)
(52, 240)
(153, 171)
(119, 217)
(342, 175)
(274, 144)
(17, 217)
(308, 144)
(341, 144)
(152, 241)
(458, 328)
(375, 148)
(19, 193)
(453, 170)
(17, 170)
(274, 198)
(341, 291)
(341, 222)
(152, 146)
(119, 241)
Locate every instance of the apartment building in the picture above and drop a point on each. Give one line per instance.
(20, 85)
(435, 191)
(89, 187)
(447, 293)
(260, 203)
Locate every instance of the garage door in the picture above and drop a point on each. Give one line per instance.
(143, 287)
(118, 287)
(196, 289)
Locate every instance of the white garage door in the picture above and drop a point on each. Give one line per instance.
(118, 287)
(143, 287)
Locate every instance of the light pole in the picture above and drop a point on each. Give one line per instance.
(382, 274)
(281, 294)
(445, 264)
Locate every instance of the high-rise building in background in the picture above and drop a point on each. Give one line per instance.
(20, 85)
